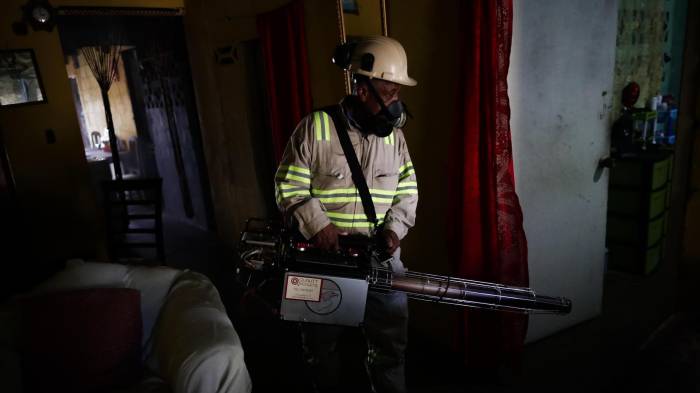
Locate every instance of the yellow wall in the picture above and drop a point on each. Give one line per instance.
(327, 81)
(52, 179)
(93, 107)
(367, 22)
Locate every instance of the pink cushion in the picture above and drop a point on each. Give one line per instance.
(82, 340)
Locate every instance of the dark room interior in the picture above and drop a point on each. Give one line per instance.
(223, 196)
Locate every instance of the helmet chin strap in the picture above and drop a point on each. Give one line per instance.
(384, 110)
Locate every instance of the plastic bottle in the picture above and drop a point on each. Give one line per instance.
(661, 123)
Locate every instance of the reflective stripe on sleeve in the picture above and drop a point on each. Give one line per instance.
(292, 193)
(292, 172)
(407, 188)
(286, 191)
(406, 170)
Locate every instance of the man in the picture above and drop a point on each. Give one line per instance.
(314, 185)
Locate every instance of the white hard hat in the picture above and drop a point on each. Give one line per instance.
(381, 58)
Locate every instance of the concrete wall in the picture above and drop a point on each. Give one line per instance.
(559, 84)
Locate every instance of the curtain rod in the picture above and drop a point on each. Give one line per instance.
(119, 11)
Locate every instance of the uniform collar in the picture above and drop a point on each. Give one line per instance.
(347, 105)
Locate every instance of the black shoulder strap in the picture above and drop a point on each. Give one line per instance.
(358, 177)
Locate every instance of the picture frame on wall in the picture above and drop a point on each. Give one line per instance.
(351, 7)
(20, 80)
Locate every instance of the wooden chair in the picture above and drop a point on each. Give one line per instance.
(134, 218)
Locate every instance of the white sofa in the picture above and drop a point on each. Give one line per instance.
(189, 344)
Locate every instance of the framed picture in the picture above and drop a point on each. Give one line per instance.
(20, 81)
(351, 7)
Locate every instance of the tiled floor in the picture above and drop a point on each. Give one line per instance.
(611, 353)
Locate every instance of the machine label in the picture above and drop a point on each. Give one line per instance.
(303, 288)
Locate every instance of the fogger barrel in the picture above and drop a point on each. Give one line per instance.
(470, 293)
(330, 288)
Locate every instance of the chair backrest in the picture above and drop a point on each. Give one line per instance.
(130, 205)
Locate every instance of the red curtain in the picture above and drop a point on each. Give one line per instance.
(283, 42)
(487, 240)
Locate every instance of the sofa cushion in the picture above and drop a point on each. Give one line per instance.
(81, 340)
(152, 281)
(196, 348)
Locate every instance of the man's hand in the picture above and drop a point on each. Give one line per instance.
(391, 240)
(327, 238)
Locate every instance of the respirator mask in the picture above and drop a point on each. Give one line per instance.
(383, 122)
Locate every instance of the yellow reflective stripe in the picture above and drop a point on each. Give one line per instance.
(293, 194)
(285, 191)
(291, 172)
(407, 188)
(327, 126)
(354, 224)
(348, 216)
(351, 219)
(317, 126)
(389, 140)
(288, 186)
(291, 187)
(345, 215)
(346, 195)
(347, 199)
(353, 190)
(289, 194)
(316, 191)
(322, 125)
(405, 168)
(289, 176)
(338, 199)
(295, 169)
(407, 174)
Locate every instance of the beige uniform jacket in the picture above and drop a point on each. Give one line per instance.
(315, 183)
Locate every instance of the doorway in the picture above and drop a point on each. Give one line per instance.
(646, 98)
(154, 124)
(152, 104)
